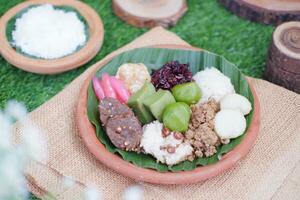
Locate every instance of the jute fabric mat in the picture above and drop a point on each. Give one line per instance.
(270, 171)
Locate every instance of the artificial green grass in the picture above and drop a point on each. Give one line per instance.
(207, 25)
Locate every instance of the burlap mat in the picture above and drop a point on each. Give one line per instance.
(270, 170)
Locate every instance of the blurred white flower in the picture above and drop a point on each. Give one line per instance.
(5, 132)
(68, 182)
(134, 192)
(12, 181)
(13, 157)
(92, 193)
(16, 110)
(33, 142)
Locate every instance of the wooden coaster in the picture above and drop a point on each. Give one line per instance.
(283, 64)
(265, 11)
(150, 13)
(52, 66)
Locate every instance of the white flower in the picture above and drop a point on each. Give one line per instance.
(12, 181)
(134, 192)
(13, 157)
(92, 193)
(68, 182)
(5, 132)
(33, 142)
(15, 109)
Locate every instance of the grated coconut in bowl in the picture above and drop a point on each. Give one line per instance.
(49, 33)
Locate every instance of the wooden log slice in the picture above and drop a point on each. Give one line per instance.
(265, 11)
(283, 63)
(150, 13)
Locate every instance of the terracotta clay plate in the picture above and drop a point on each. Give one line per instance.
(115, 162)
(52, 66)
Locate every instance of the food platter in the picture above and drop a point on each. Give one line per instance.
(88, 134)
(52, 66)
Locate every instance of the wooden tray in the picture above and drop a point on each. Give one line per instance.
(52, 66)
(88, 135)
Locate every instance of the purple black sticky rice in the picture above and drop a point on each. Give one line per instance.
(171, 74)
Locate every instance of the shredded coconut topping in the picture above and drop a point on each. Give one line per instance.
(49, 33)
(167, 147)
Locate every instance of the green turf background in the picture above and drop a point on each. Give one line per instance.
(207, 25)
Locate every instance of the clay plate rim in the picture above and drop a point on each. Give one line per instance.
(53, 66)
(88, 135)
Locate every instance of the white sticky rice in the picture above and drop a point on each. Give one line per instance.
(213, 84)
(152, 141)
(49, 33)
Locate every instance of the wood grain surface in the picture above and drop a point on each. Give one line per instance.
(150, 13)
(265, 11)
(283, 62)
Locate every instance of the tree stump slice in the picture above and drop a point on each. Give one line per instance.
(283, 63)
(150, 13)
(265, 11)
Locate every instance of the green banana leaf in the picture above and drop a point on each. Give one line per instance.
(154, 58)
